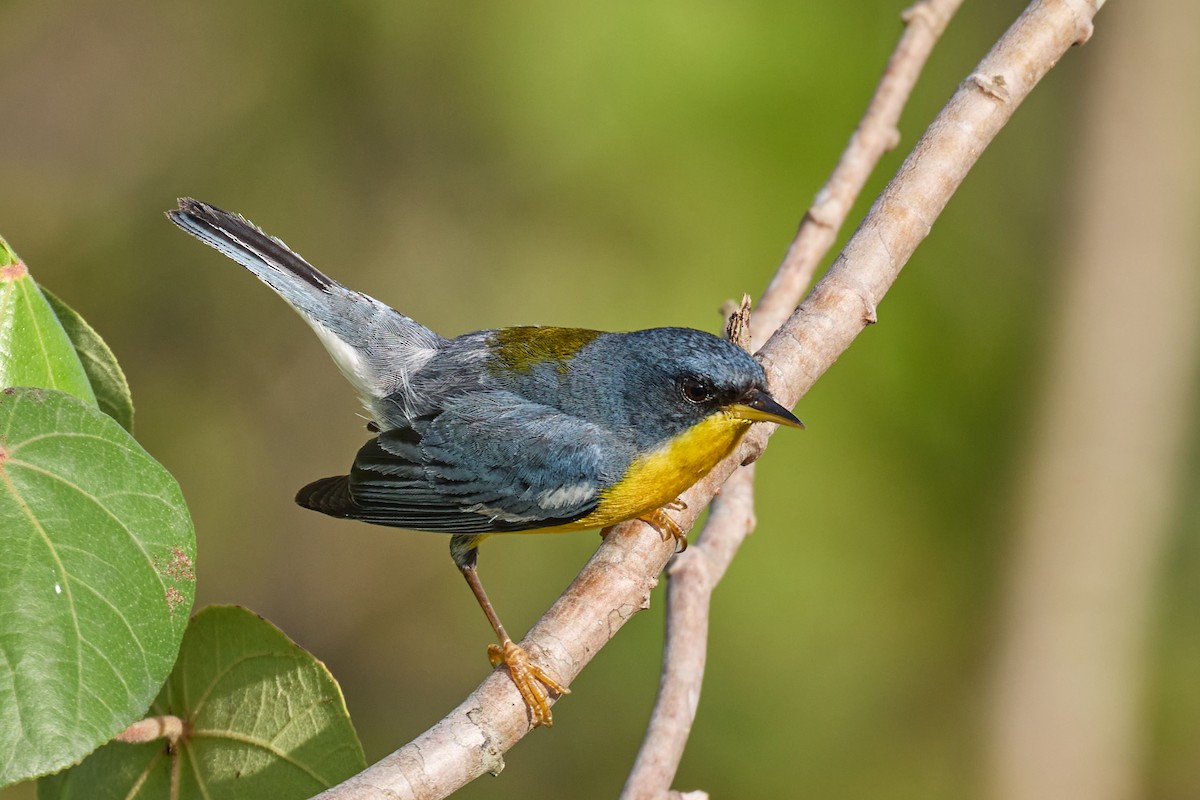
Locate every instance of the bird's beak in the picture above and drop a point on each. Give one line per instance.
(758, 406)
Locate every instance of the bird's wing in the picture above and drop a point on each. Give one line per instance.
(489, 462)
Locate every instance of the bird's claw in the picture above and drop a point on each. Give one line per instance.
(531, 680)
(662, 522)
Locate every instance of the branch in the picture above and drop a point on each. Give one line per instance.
(846, 299)
(695, 573)
(876, 134)
(616, 581)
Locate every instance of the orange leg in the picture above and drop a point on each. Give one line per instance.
(530, 679)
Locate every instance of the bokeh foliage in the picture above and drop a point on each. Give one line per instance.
(614, 166)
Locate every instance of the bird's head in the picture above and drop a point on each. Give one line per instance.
(664, 381)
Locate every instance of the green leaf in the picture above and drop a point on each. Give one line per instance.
(96, 579)
(34, 348)
(99, 364)
(262, 717)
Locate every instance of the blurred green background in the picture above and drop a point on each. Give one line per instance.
(606, 165)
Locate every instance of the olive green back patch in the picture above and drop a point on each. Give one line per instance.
(521, 349)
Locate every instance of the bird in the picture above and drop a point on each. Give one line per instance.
(509, 430)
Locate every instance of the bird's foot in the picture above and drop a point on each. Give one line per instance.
(531, 680)
(662, 522)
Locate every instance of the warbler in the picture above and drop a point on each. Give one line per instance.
(509, 430)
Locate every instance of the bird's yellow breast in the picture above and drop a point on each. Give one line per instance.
(660, 476)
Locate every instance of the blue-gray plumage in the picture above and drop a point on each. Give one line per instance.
(507, 430)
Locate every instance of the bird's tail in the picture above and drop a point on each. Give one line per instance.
(276, 264)
(376, 347)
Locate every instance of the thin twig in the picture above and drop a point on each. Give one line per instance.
(846, 298)
(695, 573)
(693, 576)
(616, 581)
(876, 134)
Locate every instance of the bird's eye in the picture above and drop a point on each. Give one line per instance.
(695, 390)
